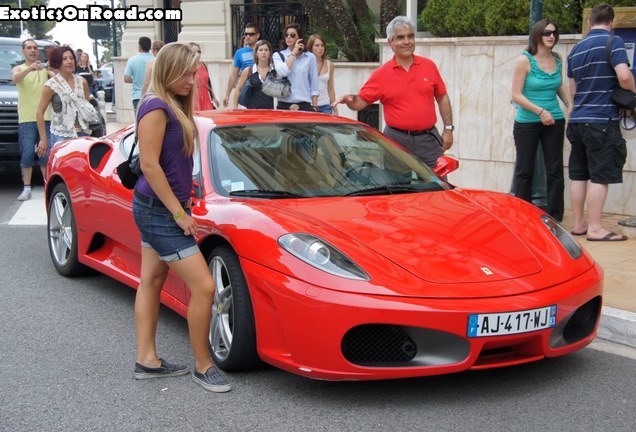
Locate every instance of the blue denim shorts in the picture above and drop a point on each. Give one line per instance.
(159, 231)
(29, 138)
(325, 109)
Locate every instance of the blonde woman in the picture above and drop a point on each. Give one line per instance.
(253, 77)
(161, 209)
(327, 95)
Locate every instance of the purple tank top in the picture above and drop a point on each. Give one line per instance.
(176, 165)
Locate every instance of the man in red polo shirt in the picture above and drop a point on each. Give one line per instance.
(408, 87)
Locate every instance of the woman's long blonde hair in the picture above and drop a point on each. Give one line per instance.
(172, 64)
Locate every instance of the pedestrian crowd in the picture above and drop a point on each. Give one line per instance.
(170, 82)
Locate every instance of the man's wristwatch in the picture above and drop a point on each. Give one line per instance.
(449, 127)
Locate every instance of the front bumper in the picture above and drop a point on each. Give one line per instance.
(325, 334)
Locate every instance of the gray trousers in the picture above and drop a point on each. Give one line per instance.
(426, 147)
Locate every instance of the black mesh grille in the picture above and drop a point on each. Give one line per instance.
(378, 343)
(9, 119)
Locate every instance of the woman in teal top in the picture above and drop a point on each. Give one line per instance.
(537, 81)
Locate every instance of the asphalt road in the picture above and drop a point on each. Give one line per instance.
(67, 354)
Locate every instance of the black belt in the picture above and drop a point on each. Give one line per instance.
(415, 132)
(154, 202)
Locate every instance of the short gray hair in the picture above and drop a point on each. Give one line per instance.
(398, 21)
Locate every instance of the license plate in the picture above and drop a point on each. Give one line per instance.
(507, 323)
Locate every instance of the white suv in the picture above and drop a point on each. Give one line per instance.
(11, 56)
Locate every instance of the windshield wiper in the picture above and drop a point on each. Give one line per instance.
(390, 189)
(265, 193)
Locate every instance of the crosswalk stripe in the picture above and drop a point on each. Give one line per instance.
(31, 212)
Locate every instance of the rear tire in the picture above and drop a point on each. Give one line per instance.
(62, 233)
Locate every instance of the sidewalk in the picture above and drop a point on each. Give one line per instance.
(618, 260)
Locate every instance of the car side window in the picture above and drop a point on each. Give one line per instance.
(126, 144)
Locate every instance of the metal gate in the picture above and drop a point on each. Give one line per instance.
(270, 17)
(171, 29)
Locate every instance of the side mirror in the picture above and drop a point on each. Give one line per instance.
(445, 165)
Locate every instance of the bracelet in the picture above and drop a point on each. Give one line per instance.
(179, 214)
(541, 112)
(292, 54)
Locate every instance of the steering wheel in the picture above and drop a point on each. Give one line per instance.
(363, 172)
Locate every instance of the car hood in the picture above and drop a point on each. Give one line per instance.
(440, 237)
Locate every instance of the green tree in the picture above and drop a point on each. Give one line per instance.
(348, 25)
(511, 20)
(496, 18)
(37, 29)
(389, 9)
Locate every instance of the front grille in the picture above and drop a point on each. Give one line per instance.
(8, 119)
(378, 343)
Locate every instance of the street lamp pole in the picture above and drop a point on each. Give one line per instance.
(539, 180)
(113, 27)
(539, 187)
(21, 24)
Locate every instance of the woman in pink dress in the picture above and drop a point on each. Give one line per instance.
(205, 95)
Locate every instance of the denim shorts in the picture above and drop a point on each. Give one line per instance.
(29, 137)
(325, 109)
(159, 230)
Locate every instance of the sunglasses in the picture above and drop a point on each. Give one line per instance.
(291, 35)
(549, 33)
(249, 34)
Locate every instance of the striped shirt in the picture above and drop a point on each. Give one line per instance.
(595, 78)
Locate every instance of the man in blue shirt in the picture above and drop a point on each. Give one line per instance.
(598, 148)
(136, 69)
(244, 57)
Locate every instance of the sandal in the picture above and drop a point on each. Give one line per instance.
(610, 237)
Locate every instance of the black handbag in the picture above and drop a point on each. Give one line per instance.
(245, 95)
(130, 170)
(624, 99)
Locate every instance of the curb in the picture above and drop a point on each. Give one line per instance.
(618, 326)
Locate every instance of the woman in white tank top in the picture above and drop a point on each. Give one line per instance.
(318, 46)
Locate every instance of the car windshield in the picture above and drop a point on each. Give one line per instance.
(106, 73)
(11, 56)
(286, 160)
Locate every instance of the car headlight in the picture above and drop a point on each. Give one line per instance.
(563, 236)
(320, 254)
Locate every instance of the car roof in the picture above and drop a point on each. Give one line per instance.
(241, 117)
(18, 42)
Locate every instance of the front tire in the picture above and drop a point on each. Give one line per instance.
(62, 233)
(232, 328)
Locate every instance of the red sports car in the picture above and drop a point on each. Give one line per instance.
(337, 254)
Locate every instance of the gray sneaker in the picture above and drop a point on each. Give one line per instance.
(25, 195)
(212, 380)
(165, 370)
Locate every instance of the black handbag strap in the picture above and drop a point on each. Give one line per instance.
(132, 149)
(282, 58)
(608, 49)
